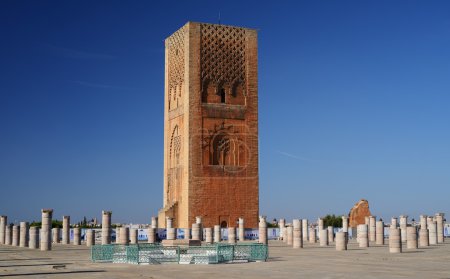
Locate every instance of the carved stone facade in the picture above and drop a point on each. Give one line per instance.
(211, 126)
(175, 48)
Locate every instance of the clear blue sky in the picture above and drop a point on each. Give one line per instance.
(354, 102)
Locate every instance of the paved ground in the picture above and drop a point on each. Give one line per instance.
(67, 261)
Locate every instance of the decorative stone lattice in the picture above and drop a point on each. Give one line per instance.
(175, 46)
(222, 54)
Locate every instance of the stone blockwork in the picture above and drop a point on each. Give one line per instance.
(358, 213)
(211, 126)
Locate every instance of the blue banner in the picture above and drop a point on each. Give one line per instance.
(250, 234)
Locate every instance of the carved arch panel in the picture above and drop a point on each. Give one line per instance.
(225, 146)
(174, 173)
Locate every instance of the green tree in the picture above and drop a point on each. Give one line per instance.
(332, 220)
(55, 224)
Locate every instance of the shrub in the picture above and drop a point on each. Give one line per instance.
(332, 220)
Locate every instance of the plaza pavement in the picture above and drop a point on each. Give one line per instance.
(68, 261)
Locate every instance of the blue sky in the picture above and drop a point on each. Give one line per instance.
(354, 103)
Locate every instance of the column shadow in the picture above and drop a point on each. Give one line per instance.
(52, 273)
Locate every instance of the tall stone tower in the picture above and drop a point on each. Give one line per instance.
(211, 126)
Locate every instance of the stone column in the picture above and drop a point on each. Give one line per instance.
(106, 227)
(262, 230)
(320, 224)
(403, 224)
(8, 234)
(3, 222)
(217, 236)
(289, 234)
(363, 236)
(231, 235)
(432, 233)
(134, 236)
(330, 234)
(90, 237)
(124, 235)
(23, 242)
(196, 231)
(312, 235)
(34, 238)
(187, 234)
(297, 241)
(341, 241)
(154, 222)
(379, 230)
(281, 225)
(66, 230)
(76, 236)
(411, 238)
(440, 227)
(198, 220)
(151, 235)
(46, 226)
(323, 237)
(15, 235)
(241, 229)
(395, 240)
(394, 222)
(169, 222)
(284, 232)
(372, 228)
(117, 230)
(208, 236)
(366, 220)
(345, 228)
(429, 221)
(345, 224)
(305, 230)
(171, 233)
(423, 222)
(424, 240)
(357, 233)
(55, 235)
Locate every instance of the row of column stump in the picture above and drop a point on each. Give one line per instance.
(430, 232)
(43, 237)
(211, 234)
(35, 237)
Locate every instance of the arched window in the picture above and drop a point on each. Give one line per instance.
(224, 151)
(222, 95)
(175, 148)
(174, 172)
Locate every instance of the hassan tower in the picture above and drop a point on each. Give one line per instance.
(211, 126)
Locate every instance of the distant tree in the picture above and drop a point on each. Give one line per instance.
(332, 220)
(55, 224)
(35, 224)
(272, 225)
